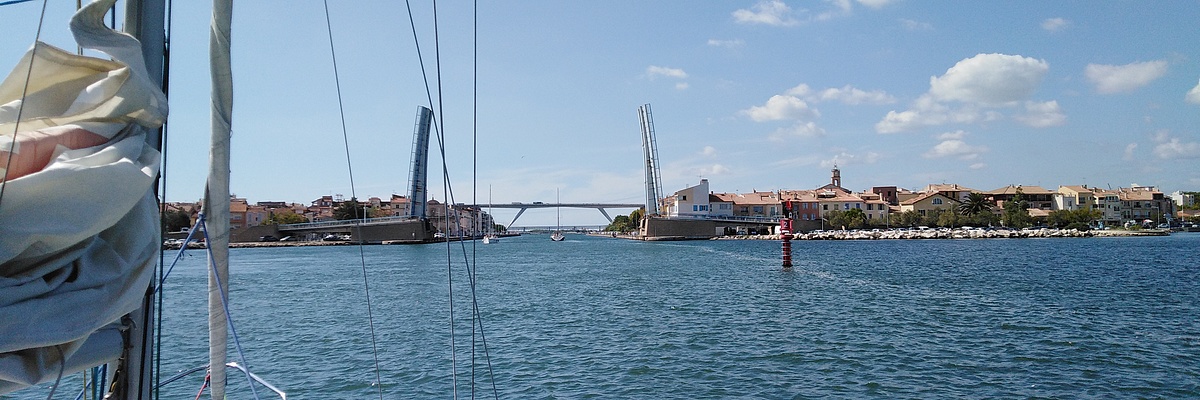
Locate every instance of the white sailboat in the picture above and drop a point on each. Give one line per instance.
(490, 236)
(557, 236)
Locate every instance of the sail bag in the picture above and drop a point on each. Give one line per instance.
(79, 223)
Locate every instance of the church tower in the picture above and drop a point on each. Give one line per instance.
(837, 176)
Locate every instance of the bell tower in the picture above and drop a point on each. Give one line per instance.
(837, 176)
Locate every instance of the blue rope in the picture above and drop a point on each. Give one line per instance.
(11, 2)
(225, 305)
(182, 248)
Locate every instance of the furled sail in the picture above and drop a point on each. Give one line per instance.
(79, 224)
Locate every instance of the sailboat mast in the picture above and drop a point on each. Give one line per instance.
(216, 200)
(146, 21)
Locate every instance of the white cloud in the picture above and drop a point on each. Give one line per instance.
(1129, 149)
(955, 148)
(956, 135)
(767, 12)
(1172, 148)
(1124, 78)
(1042, 114)
(801, 129)
(681, 85)
(875, 4)
(781, 107)
(708, 151)
(971, 90)
(1055, 24)
(992, 79)
(844, 159)
(654, 71)
(915, 25)
(734, 43)
(715, 169)
(927, 112)
(1193, 96)
(977, 166)
(854, 96)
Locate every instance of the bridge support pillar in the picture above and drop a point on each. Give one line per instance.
(605, 213)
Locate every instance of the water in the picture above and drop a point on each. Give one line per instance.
(607, 318)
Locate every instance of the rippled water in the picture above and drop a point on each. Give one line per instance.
(607, 318)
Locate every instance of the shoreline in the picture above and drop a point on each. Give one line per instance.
(954, 234)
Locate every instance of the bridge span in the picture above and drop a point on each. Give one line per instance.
(602, 207)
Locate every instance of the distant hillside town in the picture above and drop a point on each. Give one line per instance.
(827, 207)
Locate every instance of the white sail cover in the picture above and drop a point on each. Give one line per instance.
(79, 224)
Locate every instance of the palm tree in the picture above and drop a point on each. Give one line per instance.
(975, 203)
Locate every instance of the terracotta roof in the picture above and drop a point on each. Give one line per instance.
(947, 187)
(922, 197)
(1012, 190)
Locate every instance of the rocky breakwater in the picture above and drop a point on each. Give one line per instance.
(953, 234)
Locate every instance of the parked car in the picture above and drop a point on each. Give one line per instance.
(268, 238)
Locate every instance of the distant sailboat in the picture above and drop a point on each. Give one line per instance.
(557, 236)
(490, 236)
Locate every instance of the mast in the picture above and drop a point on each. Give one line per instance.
(216, 198)
(145, 20)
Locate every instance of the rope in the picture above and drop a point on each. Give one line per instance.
(62, 365)
(24, 92)
(228, 318)
(354, 197)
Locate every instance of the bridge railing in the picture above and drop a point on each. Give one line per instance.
(343, 222)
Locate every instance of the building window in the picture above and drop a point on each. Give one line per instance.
(937, 201)
(683, 197)
(825, 207)
(858, 205)
(758, 209)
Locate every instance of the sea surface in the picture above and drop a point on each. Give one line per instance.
(610, 318)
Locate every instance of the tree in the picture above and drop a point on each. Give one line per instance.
(635, 217)
(949, 219)
(621, 223)
(850, 219)
(909, 218)
(975, 203)
(499, 228)
(283, 217)
(176, 220)
(349, 209)
(1016, 212)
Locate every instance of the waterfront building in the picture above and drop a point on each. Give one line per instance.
(1075, 198)
(951, 190)
(929, 203)
(691, 202)
(1183, 199)
(1037, 197)
(1145, 203)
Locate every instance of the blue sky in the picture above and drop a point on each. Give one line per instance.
(751, 95)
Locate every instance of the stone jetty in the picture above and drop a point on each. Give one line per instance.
(951, 234)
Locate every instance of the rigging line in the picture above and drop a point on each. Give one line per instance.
(237, 343)
(473, 266)
(447, 191)
(166, 73)
(475, 175)
(354, 197)
(12, 147)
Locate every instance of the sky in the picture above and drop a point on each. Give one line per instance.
(540, 101)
